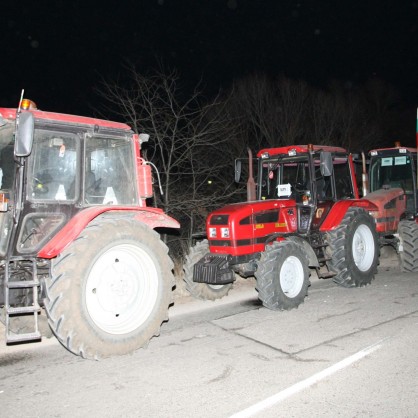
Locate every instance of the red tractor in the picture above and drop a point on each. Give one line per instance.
(392, 184)
(77, 237)
(304, 212)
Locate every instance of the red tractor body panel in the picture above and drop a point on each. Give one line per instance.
(9, 113)
(249, 224)
(153, 217)
(299, 149)
(391, 204)
(336, 214)
(377, 150)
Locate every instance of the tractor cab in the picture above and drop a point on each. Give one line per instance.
(313, 177)
(53, 166)
(395, 168)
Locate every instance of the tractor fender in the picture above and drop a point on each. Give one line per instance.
(338, 211)
(307, 249)
(153, 217)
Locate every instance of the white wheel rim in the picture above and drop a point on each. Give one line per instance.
(122, 289)
(291, 276)
(363, 248)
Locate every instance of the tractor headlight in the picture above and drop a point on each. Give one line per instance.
(212, 232)
(225, 232)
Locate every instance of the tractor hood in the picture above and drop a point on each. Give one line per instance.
(391, 203)
(248, 208)
(243, 228)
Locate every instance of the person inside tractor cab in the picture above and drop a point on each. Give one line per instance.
(53, 165)
(286, 177)
(323, 186)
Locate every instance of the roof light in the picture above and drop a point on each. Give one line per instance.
(373, 153)
(27, 104)
(291, 152)
(265, 155)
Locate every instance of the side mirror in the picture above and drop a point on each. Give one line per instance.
(326, 165)
(24, 134)
(143, 138)
(238, 168)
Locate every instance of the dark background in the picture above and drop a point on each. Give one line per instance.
(58, 51)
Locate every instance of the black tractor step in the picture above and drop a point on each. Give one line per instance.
(327, 275)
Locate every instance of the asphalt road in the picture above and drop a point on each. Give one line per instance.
(343, 353)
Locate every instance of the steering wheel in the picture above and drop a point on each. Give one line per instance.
(299, 187)
(39, 186)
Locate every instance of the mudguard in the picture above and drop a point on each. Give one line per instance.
(153, 217)
(339, 210)
(307, 249)
(391, 205)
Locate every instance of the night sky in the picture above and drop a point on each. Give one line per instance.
(58, 51)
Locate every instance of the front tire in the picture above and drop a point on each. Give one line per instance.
(408, 248)
(110, 290)
(282, 276)
(353, 249)
(202, 291)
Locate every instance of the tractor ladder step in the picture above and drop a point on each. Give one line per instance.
(22, 284)
(327, 275)
(324, 274)
(316, 246)
(20, 338)
(16, 314)
(15, 310)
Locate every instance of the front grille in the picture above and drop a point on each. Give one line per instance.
(219, 243)
(219, 220)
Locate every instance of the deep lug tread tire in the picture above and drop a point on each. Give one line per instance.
(142, 263)
(201, 291)
(408, 235)
(357, 225)
(271, 272)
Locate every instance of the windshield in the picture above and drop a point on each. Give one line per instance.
(107, 176)
(7, 165)
(53, 166)
(282, 177)
(393, 171)
(110, 172)
(290, 177)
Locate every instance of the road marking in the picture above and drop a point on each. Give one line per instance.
(297, 387)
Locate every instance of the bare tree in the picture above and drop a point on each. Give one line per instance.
(194, 141)
(282, 111)
(189, 141)
(273, 111)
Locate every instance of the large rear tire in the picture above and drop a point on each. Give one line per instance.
(353, 249)
(110, 289)
(408, 245)
(282, 276)
(201, 291)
